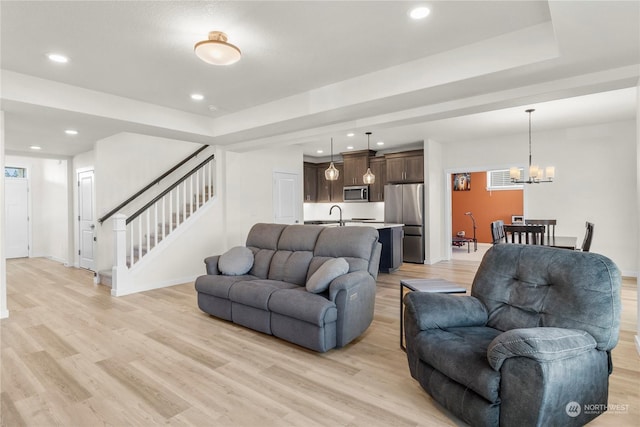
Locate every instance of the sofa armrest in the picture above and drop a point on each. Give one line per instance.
(429, 310)
(542, 344)
(355, 296)
(212, 264)
(346, 282)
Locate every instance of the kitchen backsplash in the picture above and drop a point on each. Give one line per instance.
(320, 211)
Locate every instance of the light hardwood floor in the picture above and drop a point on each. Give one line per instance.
(71, 355)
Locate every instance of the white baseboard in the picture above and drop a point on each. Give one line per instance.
(5, 313)
(627, 273)
(152, 286)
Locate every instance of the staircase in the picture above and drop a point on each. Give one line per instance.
(148, 229)
(140, 247)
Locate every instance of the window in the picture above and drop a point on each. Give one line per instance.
(13, 172)
(500, 180)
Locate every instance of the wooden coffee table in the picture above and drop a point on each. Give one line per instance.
(425, 285)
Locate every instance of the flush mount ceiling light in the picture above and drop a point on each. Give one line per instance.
(71, 132)
(419, 12)
(56, 57)
(197, 97)
(536, 174)
(35, 147)
(368, 177)
(216, 50)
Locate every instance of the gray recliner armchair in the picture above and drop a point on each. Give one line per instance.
(530, 346)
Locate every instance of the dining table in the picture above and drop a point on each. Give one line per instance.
(564, 242)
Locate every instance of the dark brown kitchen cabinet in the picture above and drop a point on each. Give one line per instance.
(404, 167)
(376, 190)
(310, 182)
(329, 191)
(355, 166)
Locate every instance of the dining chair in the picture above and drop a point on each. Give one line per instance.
(550, 224)
(525, 234)
(497, 232)
(588, 236)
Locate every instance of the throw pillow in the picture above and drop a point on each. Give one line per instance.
(236, 261)
(329, 270)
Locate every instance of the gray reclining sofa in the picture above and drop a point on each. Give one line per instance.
(532, 344)
(272, 297)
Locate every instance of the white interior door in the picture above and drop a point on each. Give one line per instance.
(16, 216)
(86, 220)
(286, 198)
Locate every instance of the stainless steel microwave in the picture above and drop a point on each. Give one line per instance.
(356, 193)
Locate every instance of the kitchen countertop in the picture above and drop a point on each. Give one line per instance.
(352, 223)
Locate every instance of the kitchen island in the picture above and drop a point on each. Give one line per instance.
(390, 235)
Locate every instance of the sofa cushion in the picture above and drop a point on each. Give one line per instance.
(265, 236)
(461, 354)
(354, 244)
(299, 304)
(320, 280)
(256, 293)
(263, 242)
(290, 266)
(298, 237)
(218, 285)
(236, 261)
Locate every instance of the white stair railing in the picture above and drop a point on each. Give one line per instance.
(155, 221)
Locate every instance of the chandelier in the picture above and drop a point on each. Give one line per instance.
(536, 174)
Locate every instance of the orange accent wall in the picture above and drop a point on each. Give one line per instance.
(486, 206)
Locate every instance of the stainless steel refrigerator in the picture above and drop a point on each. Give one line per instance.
(404, 204)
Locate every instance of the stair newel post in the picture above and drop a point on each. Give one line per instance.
(119, 271)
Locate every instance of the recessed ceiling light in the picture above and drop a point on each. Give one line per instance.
(197, 96)
(35, 147)
(319, 151)
(350, 147)
(56, 57)
(71, 132)
(419, 12)
(380, 143)
(350, 134)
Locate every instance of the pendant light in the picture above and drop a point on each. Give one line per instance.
(331, 174)
(536, 174)
(369, 177)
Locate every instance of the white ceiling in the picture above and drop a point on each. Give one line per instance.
(312, 70)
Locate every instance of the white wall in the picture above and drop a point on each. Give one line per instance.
(4, 312)
(638, 206)
(249, 187)
(49, 208)
(125, 163)
(435, 203)
(180, 257)
(595, 181)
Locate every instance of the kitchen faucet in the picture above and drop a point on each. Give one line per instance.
(340, 209)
